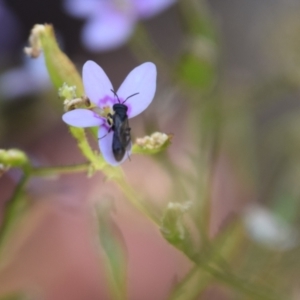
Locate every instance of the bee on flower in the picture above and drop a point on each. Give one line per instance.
(112, 109)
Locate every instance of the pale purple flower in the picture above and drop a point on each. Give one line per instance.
(30, 78)
(99, 90)
(10, 31)
(111, 22)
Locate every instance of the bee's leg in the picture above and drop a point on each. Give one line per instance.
(103, 136)
(109, 130)
(110, 119)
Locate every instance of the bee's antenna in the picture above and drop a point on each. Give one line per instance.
(129, 97)
(116, 95)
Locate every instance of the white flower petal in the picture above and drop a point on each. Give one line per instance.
(149, 8)
(97, 85)
(108, 31)
(82, 118)
(105, 145)
(141, 80)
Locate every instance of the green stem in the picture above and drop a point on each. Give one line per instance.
(82, 142)
(12, 208)
(138, 203)
(14, 204)
(192, 285)
(228, 278)
(49, 171)
(224, 276)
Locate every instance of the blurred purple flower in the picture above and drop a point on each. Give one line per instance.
(99, 90)
(111, 22)
(30, 78)
(9, 30)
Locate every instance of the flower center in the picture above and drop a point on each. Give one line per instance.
(105, 112)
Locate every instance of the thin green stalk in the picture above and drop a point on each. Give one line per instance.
(136, 201)
(192, 285)
(12, 207)
(226, 277)
(49, 171)
(83, 144)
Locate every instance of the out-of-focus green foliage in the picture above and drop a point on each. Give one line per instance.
(240, 145)
(196, 72)
(114, 248)
(197, 66)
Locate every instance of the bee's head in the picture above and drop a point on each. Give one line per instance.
(122, 103)
(120, 107)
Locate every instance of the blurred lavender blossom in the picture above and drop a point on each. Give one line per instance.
(110, 23)
(32, 77)
(9, 36)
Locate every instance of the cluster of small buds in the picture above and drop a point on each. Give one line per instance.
(155, 141)
(180, 207)
(71, 101)
(35, 48)
(11, 158)
(67, 92)
(172, 222)
(71, 104)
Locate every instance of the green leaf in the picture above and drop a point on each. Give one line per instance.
(114, 247)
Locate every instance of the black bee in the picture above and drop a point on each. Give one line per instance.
(120, 126)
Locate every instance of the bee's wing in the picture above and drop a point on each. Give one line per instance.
(117, 147)
(122, 131)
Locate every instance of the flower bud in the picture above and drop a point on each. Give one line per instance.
(67, 92)
(35, 48)
(12, 158)
(173, 227)
(152, 144)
